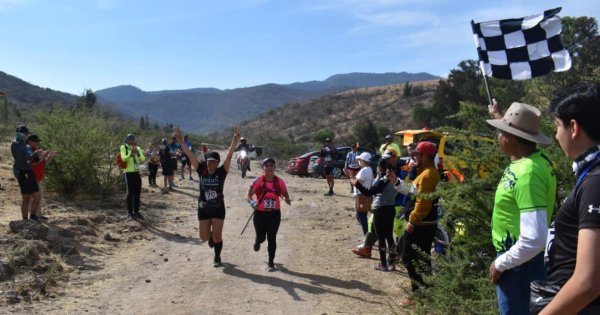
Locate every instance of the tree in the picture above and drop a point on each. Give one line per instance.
(366, 133)
(467, 81)
(407, 90)
(87, 100)
(142, 123)
(322, 134)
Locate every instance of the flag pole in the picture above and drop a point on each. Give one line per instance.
(485, 80)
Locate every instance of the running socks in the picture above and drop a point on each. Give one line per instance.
(218, 248)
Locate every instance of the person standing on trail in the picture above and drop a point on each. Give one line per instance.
(351, 166)
(24, 157)
(362, 201)
(389, 144)
(134, 156)
(329, 154)
(184, 160)
(211, 201)
(39, 168)
(523, 206)
(267, 188)
(153, 156)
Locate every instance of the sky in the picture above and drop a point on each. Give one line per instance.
(74, 45)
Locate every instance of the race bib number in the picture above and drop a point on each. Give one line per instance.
(184, 158)
(269, 203)
(328, 158)
(210, 195)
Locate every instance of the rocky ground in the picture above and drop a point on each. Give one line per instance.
(88, 258)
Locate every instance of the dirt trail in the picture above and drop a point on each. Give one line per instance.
(163, 268)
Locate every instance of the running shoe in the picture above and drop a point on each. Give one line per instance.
(391, 267)
(271, 267)
(217, 262)
(329, 193)
(381, 267)
(138, 215)
(34, 218)
(256, 247)
(362, 251)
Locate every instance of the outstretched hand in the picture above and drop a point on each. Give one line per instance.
(236, 134)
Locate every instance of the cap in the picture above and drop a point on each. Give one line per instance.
(22, 129)
(327, 139)
(365, 156)
(389, 137)
(389, 153)
(427, 147)
(129, 136)
(164, 141)
(267, 160)
(213, 156)
(33, 138)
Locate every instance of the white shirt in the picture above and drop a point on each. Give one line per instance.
(365, 178)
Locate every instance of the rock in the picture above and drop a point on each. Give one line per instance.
(5, 271)
(110, 219)
(29, 229)
(11, 297)
(166, 259)
(82, 221)
(148, 280)
(86, 230)
(110, 238)
(66, 233)
(99, 218)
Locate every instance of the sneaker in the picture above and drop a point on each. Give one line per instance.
(217, 262)
(329, 193)
(381, 267)
(138, 215)
(191, 178)
(391, 267)
(362, 251)
(131, 216)
(182, 177)
(256, 247)
(271, 267)
(34, 218)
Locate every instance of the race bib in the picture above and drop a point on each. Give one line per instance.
(210, 195)
(184, 158)
(269, 203)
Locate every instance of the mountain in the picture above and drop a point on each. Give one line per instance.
(203, 110)
(22, 92)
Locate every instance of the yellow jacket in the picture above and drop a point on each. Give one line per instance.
(132, 160)
(425, 182)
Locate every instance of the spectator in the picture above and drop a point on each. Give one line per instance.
(363, 202)
(421, 218)
(351, 166)
(574, 256)
(184, 160)
(389, 143)
(267, 188)
(523, 206)
(384, 194)
(153, 156)
(39, 168)
(24, 157)
(329, 154)
(211, 200)
(134, 156)
(168, 171)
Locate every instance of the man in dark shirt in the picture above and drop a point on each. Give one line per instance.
(329, 154)
(24, 156)
(574, 253)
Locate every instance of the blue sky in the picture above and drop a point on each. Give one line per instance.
(73, 45)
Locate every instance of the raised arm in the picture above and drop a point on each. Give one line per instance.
(184, 148)
(234, 142)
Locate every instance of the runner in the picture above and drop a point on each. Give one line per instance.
(211, 202)
(268, 188)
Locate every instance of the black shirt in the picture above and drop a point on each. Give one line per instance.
(211, 187)
(580, 210)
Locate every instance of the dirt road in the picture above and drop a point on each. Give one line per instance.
(160, 267)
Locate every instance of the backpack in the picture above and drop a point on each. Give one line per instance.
(120, 163)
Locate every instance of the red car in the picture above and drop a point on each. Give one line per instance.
(299, 165)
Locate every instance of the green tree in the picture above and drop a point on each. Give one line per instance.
(87, 100)
(466, 80)
(365, 131)
(406, 93)
(322, 134)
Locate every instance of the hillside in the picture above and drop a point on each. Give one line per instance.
(25, 93)
(203, 110)
(341, 112)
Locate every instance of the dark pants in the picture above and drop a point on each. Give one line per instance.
(383, 221)
(153, 169)
(417, 260)
(133, 183)
(266, 225)
(363, 220)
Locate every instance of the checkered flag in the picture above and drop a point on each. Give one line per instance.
(523, 48)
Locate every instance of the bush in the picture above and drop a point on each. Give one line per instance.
(86, 144)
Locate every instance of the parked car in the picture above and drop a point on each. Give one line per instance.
(299, 165)
(315, 165)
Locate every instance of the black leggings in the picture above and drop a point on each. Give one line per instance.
(383, 221)
(133, 183)
(266, 225)
(419, 258)
(153, 169)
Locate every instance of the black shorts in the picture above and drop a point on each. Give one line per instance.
(211, 213)
(27, 182)
(185, 162)
(328, 170)
(167, 170)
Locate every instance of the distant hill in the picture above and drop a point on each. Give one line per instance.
(204, 110)
(25, 93)
(340, 112)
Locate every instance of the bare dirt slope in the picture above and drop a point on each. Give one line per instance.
(158, 266)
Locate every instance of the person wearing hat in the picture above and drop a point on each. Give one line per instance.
(329, 155)
(133, 155)
(523, 206)
(365, 178)
(384, 194)
(389, 143)
(211, 201)
(421, 217)
(574, 256)
(263, 196)
(23, 171)
(38, 167)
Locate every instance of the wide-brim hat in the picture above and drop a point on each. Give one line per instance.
(523, 121)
